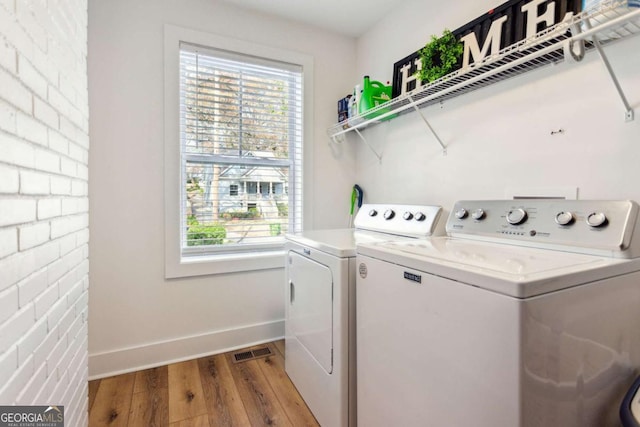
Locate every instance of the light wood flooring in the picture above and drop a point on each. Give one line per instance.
(208, 392)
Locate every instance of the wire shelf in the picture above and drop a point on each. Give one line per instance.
(610, 21)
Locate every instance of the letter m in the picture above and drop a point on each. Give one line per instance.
(472, 49)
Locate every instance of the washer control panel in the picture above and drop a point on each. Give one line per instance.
(403, 220)
(601, 225)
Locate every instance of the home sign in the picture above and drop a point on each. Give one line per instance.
(501, 27)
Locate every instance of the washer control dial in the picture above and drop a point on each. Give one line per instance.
(461, 213)
(408, 216)
(419, 216)
(478, 214)
(516, 216)
(564, 218)
(389, 214)
(597, 219)
(373, 212)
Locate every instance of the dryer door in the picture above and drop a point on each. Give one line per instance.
(311, 307)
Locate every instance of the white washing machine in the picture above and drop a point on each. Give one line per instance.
(526, 314)
(320, 304)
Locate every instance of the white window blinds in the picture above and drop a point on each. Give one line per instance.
(241, 151)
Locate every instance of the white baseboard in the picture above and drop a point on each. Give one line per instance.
(147, 356)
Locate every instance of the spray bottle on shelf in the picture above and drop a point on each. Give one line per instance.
(358, 92)
(353, 104)
(374, 94)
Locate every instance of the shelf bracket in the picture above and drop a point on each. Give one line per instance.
(574, 49)
(368, 145)
(424, 119)
(335, 140)
(628, 115)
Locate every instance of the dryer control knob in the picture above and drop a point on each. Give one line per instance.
(478, 214)
(516, 216)
(408, 216)
(419, 216)
(373, 212)
(597, 219)
(564, 218)
(461, 213)
(389, 214)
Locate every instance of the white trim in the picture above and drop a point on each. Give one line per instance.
(162, 353)
(175, 265)
(194, 265)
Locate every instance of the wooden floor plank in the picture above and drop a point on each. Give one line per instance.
(297, 410)
(112, 401)
(186, 398)
(224, 404)
(151, 379)
(208, 392)
(279, 345)
(260, 402)
(93, 390)
(150, 408)
(201, 421)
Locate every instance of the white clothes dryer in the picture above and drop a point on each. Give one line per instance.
(320, 304)
(526, 315)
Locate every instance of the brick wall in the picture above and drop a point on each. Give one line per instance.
(44, 232)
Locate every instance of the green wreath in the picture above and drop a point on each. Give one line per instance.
(439, 57)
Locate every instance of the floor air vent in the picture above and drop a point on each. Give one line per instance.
(243, 356)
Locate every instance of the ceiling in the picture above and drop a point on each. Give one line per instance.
(349, 17)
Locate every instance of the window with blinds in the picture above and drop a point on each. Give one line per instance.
(241, 151)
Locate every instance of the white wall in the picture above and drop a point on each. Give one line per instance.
(44, 232)
(500, 136)
(137, 317)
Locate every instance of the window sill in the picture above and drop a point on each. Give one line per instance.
(225, 263)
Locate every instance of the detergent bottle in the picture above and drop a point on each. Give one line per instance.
(373, 94)
(366, 101)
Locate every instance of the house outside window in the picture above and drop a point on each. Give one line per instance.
(241, 146)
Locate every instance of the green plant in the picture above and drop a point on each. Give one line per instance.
(275, 229)
(193, 185)
(440, 56)
(283, 209)
(249, 214)
(192, 220)
(201, 235)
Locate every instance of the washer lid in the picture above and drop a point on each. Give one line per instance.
(511, 270)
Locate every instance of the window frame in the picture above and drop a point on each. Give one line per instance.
(177, 265)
